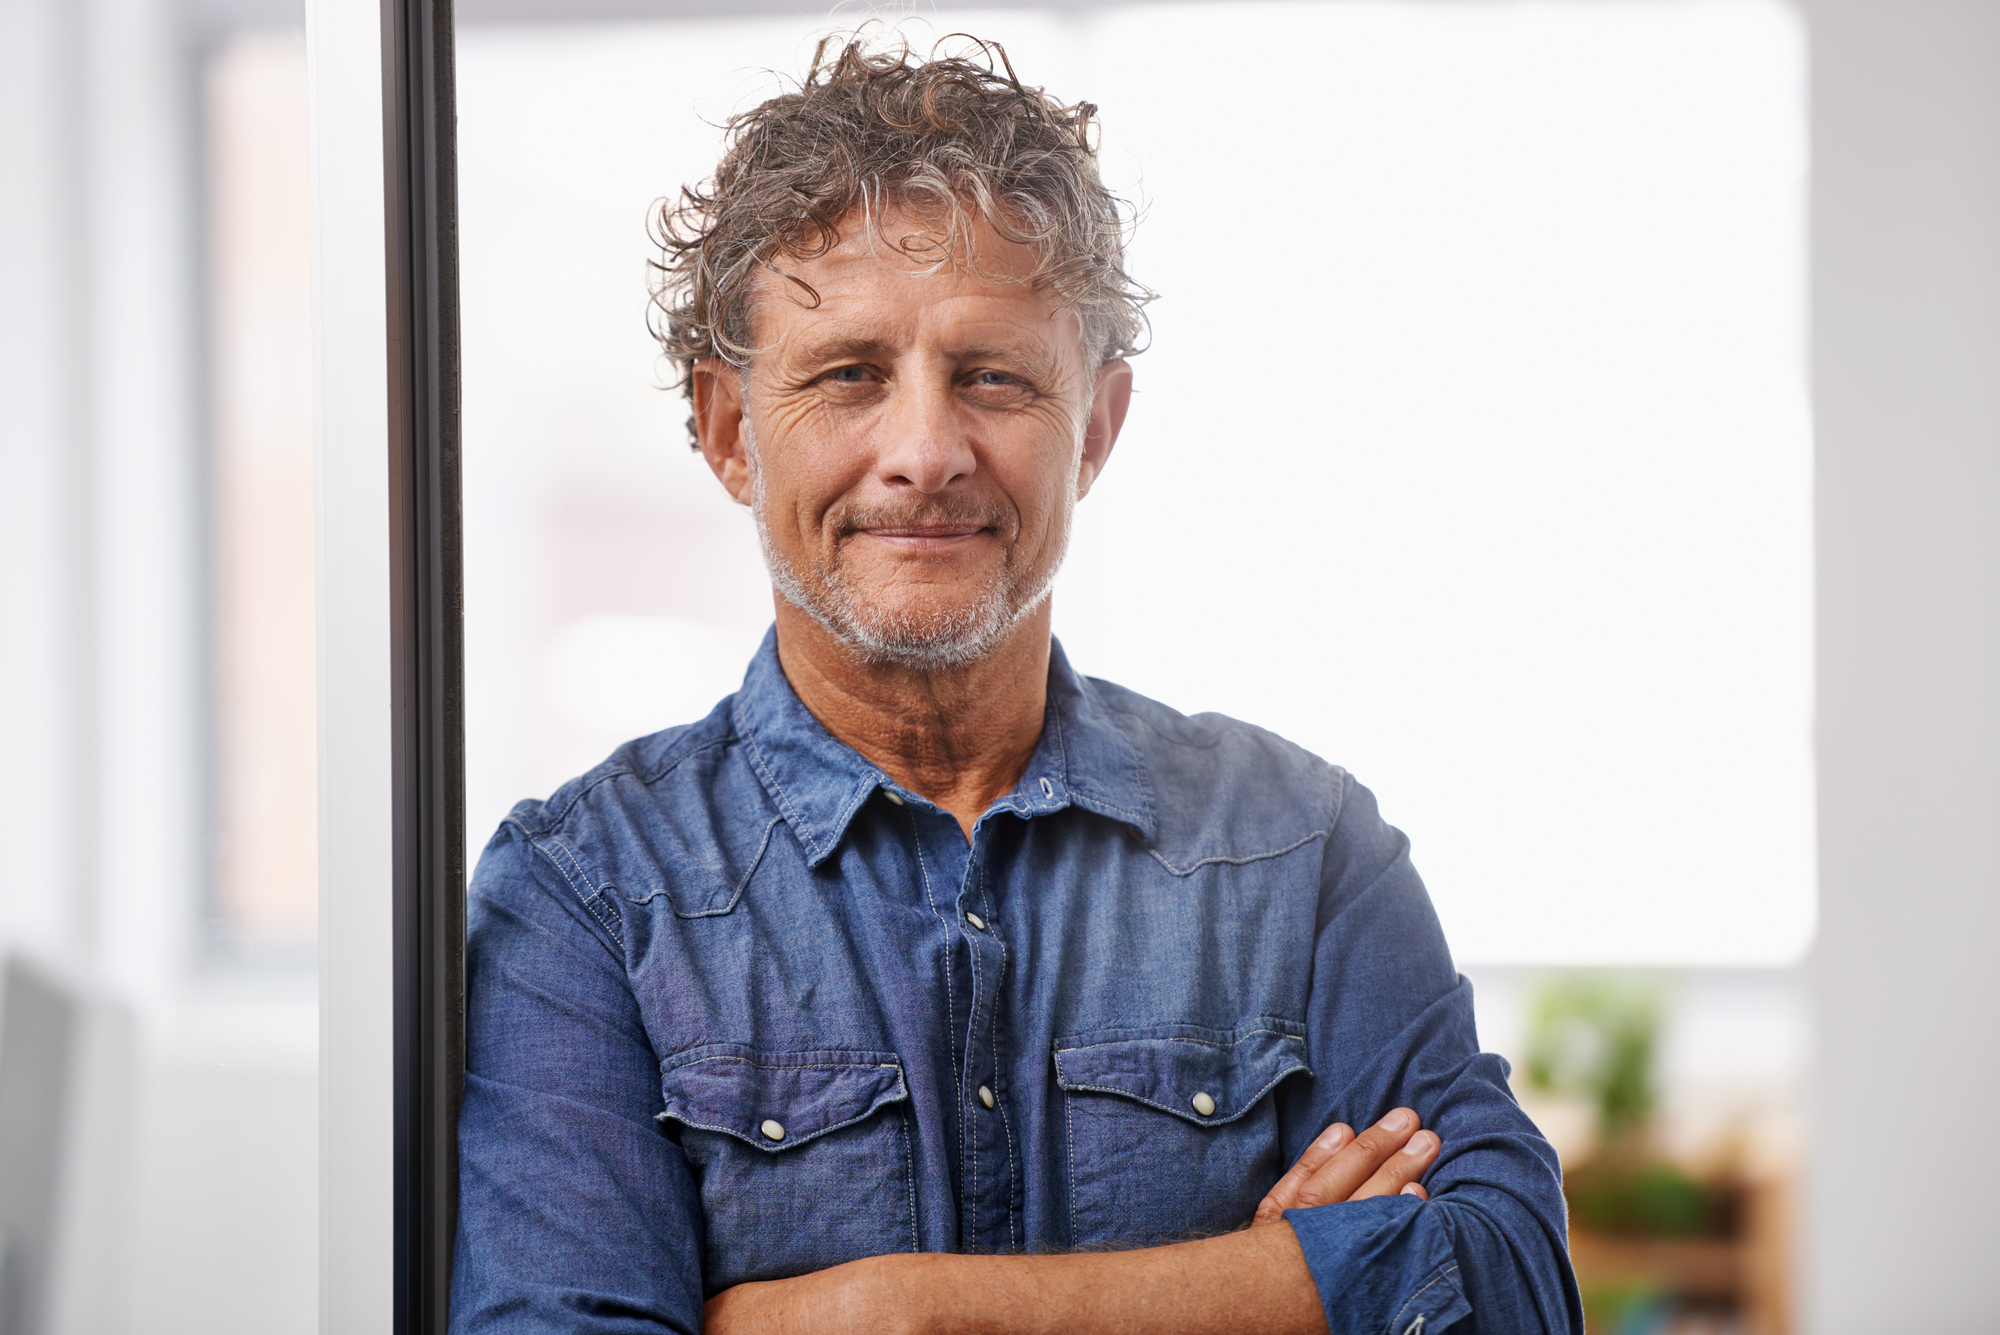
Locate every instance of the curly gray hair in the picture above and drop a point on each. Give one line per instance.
(952, 138)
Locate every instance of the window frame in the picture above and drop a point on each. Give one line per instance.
(392, 861)
(427, 647)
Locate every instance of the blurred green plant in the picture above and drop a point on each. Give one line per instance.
(1595, 1036)
(1649, 1198)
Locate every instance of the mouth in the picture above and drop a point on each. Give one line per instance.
(923, 539)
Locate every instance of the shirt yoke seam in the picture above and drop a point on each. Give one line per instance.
(1236, 860)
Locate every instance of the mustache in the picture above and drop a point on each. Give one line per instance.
(851, 519)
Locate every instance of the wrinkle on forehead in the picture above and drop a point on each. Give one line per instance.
(989, 265)
(981, 339)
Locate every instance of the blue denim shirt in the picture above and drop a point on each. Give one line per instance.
(742, 1008)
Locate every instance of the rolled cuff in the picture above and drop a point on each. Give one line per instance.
(1383, 1264)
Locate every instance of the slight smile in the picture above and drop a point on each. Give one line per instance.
(925, 539)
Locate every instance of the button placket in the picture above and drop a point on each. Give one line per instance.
(934, 866)
(988, 1220)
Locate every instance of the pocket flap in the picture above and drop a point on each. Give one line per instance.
(778, 1101)
(1205, 1076)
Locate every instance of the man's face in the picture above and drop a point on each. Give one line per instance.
(914, 443)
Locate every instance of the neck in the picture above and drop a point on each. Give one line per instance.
(961, 737)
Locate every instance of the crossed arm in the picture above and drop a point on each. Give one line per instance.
(1252, 1282)
(576, 1205)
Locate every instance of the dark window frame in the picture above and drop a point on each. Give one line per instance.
(427, 644)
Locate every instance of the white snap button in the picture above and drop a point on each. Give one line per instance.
(986, 1096)
(772, 1130)
(1048, 789)
(1204, 1105)
(892, 797)
(976, 921)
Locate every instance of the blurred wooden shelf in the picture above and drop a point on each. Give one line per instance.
(1701, 1268)
(1749, 1273)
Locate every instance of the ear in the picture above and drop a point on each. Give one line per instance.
(1107, 418)
(718, 424)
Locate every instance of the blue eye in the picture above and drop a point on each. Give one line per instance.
(850, 374)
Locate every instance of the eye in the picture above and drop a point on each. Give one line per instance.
(848, 375)
(996, 378)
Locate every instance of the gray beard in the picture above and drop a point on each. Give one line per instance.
(926, 643)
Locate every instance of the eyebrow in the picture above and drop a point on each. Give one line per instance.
(834, 347)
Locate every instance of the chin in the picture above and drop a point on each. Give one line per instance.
(928, 634)
(893, 615)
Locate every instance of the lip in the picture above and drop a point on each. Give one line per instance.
(920, 539)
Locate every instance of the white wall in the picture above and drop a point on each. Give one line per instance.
(1900, 1229)
(351, 449)
(191, 1147)
(44, 513)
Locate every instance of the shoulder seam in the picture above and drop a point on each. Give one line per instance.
(611, 772)
(570, 867)
(669, 766)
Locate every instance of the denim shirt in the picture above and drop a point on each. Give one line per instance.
(742, 1008)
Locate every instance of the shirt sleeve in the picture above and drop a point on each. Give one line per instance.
(577, 1212)
(1391, 1025)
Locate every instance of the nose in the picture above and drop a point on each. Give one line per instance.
(924, 444)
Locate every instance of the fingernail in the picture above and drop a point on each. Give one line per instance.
(1419, 1144)
(1331, 1138)
(1411, 1189)
(1396, 1120)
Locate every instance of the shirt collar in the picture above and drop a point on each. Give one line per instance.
(818, 782)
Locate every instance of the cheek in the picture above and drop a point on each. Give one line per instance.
(802, 485)
(1046, 496)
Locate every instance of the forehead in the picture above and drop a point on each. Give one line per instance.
(893, 282)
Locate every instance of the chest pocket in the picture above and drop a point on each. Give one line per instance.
(1172, 1129)
(803, 1157)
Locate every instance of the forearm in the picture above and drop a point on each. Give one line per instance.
(1253, 1282)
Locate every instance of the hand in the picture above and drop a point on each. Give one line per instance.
(1388, 1157)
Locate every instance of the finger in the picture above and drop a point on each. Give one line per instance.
(1285, 1195)
(1415, 1189)
(1340, 1176)
(1403, 1169)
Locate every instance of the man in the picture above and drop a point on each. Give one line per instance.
(926, 985)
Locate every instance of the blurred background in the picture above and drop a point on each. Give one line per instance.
(1472, 451)
(1573, 416)
(158, 1020)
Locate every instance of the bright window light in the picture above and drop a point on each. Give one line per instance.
(1472, 451)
